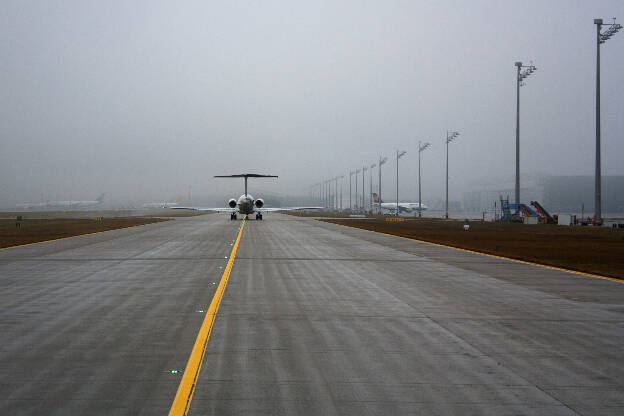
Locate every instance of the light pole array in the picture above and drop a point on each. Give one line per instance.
(520, 77)
(421, 148)
(601, 37)
(450, 136)
(399, 154)
(382, 160)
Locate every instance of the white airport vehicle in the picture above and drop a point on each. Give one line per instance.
(246, 204)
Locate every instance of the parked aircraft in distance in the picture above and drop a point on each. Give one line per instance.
(246, 204)
(164, 204)
(404, 207)
(62, 204)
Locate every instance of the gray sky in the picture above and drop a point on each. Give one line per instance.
(141, 99)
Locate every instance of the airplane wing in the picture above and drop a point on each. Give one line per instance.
(224, 209)
(284, 209)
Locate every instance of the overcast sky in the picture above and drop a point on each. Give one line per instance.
(140, 99)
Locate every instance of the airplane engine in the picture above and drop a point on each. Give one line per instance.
(232, 203)
(259, 203)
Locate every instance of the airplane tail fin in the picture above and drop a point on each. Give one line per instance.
(178, 200)
(246, 176)
(101, 197)
(376, 198)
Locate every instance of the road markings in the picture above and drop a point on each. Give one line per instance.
(81, 235)
(544, 266)
(186, 389)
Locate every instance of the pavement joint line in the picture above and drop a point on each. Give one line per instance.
(544, 266)
(182, 402)
(81, 235)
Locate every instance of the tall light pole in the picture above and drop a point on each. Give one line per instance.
(450, 136)
(382, 160)
(336, 191)
(328, 193)
(399, 154)
(421, 148)
(350, 175)
(521, 76)
(371, 186)
(341, 195)
(364, 169)
(600, 38)
(356, 184)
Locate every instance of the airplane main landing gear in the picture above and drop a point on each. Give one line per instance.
(259, 217)
(233, 216)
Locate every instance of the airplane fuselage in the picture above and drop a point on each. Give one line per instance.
(246, 204)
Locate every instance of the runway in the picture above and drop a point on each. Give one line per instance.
(316, 319)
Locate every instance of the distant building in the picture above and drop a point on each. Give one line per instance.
(569, 193)
(566, 194)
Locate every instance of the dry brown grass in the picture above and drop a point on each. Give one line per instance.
(597, 250)
(37, 230)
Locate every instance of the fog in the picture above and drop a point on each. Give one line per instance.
(144, 99)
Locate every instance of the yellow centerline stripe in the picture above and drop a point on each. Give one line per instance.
(544, 266)
(80, 235)
(186, 389)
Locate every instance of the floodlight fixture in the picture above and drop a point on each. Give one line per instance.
(450, 136)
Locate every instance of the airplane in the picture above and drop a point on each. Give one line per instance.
(63, 204)
(404, 207)
(246, 204)
(162, 204)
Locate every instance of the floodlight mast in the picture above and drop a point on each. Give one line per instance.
(371, 186)
(364, 169)
(382, 160)
(356, 187)
(520, 77)
(450, 136)
(336, 192)
(421, 148)
(350, 175)
(600, 38)
(399, 154)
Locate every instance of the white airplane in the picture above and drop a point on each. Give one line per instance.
(404, 207)
(163, 204)
(63, 204)
(246, 204)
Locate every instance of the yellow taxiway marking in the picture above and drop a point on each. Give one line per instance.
(544, 266)
(186, 389)
(79, 235)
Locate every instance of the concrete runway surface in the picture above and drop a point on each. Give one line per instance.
(316, 319)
